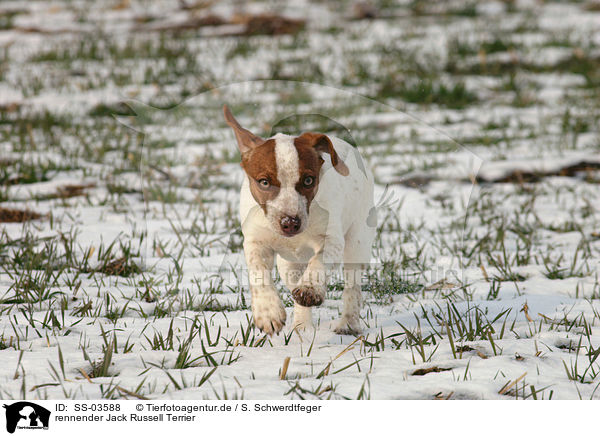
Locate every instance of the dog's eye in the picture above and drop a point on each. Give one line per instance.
(264, 183)
(308, 181)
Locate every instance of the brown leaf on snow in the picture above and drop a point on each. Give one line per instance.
(424, 371)
(269, 24)
(17, 215)
(69, 191)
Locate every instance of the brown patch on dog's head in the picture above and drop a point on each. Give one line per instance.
(322, 144)
(258, 160)
(260, 164)
(309, 163)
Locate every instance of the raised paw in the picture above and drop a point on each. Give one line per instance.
(307, 296)
(269, 316)
(346, 326)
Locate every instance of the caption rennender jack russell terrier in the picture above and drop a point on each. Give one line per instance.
(306, 203)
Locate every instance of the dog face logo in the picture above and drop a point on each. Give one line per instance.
(26, 415)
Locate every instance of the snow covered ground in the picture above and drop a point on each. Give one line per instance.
(122, 274)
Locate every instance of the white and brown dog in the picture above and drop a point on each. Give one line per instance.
(313, 213)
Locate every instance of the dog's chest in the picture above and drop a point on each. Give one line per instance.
(299, 250)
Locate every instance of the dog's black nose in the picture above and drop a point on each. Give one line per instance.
(290, 225)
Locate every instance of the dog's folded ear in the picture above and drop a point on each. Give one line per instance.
(246, 140)
(323, 144)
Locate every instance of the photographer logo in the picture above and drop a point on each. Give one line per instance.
(24, 415)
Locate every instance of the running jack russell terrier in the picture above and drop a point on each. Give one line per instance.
(307, 204)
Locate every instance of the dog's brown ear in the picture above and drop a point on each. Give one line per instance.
(246, 140)
(322, 144)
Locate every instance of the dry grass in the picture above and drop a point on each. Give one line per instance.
(17, 216)
(520, 177)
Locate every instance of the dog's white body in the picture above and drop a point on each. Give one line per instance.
(340, 230)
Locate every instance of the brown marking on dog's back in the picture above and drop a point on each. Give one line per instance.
(260, 163)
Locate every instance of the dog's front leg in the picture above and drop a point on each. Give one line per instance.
(313, 285)
(267, 308)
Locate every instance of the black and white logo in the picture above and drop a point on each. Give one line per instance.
(26, 415)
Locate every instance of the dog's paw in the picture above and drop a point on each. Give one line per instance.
(346, 326)
(308, 296)
(269, 317)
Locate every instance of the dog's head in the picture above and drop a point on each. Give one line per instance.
(283, 172)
